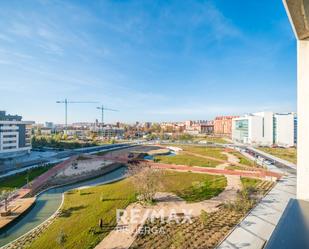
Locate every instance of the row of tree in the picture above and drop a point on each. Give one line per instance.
(57, 141)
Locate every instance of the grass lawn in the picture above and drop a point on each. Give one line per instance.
(243, 159)
(17, 181)
(182, 159)
(237, 167)
(193, 187)
(218, 140)
(289, 154)
(82, 209)
(81, 213)
(249, 182)
(206, 151)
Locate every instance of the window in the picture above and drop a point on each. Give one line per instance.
(8, 136)
(8, 142)
(9, 147)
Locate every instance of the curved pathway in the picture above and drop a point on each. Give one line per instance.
(231, 158)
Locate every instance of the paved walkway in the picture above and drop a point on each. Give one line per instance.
(17, 207)
(231, 158)
(254, 231)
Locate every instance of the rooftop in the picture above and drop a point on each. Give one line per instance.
(8, 117)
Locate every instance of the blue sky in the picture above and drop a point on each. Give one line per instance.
(153, 60)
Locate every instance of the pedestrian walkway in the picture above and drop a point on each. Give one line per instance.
(17, 207)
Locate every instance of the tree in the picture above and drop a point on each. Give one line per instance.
(5, 194)
(155, 127)
(57, 137)
(64, 137)
(146, 180)
(151, 137)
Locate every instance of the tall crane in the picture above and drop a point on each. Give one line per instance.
(66, 102)
(102, 108)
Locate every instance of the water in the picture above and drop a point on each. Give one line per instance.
(47, 204)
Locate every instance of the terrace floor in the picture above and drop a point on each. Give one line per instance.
(256, 229)
(293, 228)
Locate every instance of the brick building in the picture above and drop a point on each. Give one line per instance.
(223, 125)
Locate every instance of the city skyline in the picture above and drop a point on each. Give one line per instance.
(152, 61)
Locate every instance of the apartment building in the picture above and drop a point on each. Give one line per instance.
(173, 127)
(285, 129)
(112, 132)
(15, 135)
(265, 129)
(223, 125)
(199, 127)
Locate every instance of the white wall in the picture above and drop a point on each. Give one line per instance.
(303, 120)
(261, 128)
(266, 136)
(285, 130)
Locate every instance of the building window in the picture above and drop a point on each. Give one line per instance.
(9, 136)
(8, 142)
(9, 147)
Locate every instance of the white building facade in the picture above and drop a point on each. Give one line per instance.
(285, 129)
(265, 129)
(15, 136)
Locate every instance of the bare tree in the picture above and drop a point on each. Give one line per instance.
(146, 180)
(5, 197)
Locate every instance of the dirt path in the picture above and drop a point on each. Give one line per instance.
(231, 158)
(167, 203)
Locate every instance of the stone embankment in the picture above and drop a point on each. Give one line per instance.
(29, 237)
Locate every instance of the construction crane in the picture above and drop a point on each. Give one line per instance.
(102, 108)
(66, 102)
